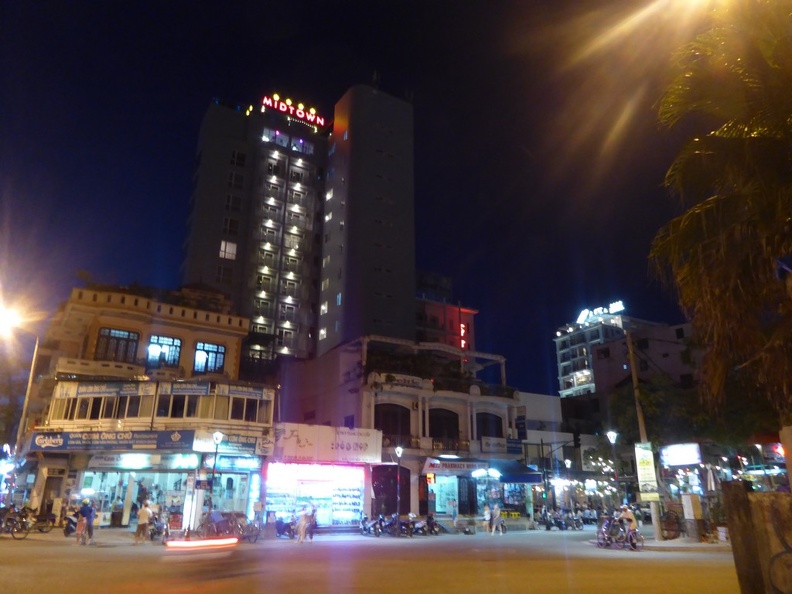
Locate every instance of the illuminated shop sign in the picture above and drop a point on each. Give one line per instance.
(288, 108)
(588, 314)
(112, 440)
(246, 463)
(680, 454)
(280, 475)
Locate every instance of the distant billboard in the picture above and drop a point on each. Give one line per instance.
(680, 454)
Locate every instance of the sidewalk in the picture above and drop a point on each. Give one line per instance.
(678, 544)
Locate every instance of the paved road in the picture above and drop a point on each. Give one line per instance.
(517, 562)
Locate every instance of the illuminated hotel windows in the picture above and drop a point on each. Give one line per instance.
(228, 250)
(323, 308)
(274, 168)
(322, 333)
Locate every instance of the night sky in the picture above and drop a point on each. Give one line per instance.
(539, 162)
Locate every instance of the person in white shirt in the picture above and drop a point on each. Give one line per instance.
(144, 517)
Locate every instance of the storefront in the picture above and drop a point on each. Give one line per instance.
(336, 492)
(174, 475)
(322, 467)
(471, 484)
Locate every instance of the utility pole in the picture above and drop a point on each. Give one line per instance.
(653, 505)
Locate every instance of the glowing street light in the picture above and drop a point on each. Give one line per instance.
(10, 320)
(399, 451)
(612, 437)
(217, 438)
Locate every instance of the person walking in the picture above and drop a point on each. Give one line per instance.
(496, 520)
(454, 512)
(144, 517)
(88, 512)
(302, 524)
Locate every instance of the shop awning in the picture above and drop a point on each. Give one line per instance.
(513, 471)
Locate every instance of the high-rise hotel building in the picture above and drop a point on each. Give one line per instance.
(306, 221)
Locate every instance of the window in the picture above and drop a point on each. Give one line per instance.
(209, 358)
(236, 180)
(228, 250)
(233, 203)
(116, 345)
(274, 168)
(224, 275)
(323, 308)
(287, 313)
(680, 333)
(329, 195)
(245, 409)
(238, 158)
(163, 351)
(338, 299)
(230, 226)
(322, 333)
(263, 283)
(297, 175)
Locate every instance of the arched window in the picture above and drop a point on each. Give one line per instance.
(489, 425)
(443, 424)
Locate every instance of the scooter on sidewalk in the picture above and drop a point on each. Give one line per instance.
(370, 526)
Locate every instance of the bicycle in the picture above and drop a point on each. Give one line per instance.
(635, 540)
(611, 533)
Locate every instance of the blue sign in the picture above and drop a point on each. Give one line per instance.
(80, 441)
(514, 446)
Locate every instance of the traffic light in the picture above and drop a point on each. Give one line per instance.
(544, 494)
(576, 439)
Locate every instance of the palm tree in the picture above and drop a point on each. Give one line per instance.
(733, 177)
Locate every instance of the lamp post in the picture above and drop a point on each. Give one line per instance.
(9, 321)
(764, 469)
(217, 438)
(399, 451)
(612, 437)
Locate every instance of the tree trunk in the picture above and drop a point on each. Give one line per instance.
(786, 442)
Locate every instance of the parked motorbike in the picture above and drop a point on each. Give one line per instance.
(573, 523)
(417, 525)
(283, 528)
(370, 526)
(156, 528)
(41, 522)
(404, 527)
(432, 525)
(70, 523)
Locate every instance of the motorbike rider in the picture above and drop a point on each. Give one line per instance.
(88, 512)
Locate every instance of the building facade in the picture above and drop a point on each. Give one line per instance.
(307, 222)
(255, 220)
(130, 386)
(576, 341)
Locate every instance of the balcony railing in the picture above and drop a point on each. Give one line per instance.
(405, 441)
(450, 445)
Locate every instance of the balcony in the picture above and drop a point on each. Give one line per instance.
(405, 441)
(450, 445)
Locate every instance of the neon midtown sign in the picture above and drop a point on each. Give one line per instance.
(287, 107)
(588, 314)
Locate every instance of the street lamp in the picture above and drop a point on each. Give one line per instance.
(217, 438)
(9, 321)
(612, 437)
(399, 451)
